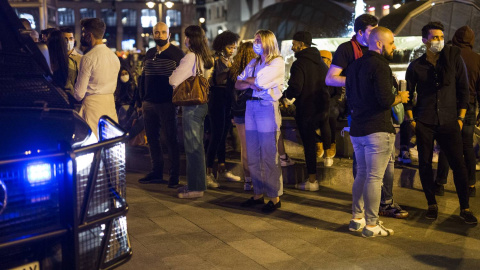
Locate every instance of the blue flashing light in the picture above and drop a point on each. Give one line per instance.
(39, 173)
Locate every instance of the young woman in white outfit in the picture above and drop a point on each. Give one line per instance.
(265, 76)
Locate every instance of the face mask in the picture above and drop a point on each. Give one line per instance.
(436, 46)
(124, 78)
(70, 45)
(257, 48)
(161, 42)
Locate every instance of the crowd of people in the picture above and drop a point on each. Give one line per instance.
(246, 89)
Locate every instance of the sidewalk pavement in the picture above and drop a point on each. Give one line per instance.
(310, 231)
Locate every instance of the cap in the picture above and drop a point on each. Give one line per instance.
(304, 36)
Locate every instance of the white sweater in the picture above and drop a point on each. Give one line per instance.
(269, 78)
(187, 68)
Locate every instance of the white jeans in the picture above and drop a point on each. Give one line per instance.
(262, 129)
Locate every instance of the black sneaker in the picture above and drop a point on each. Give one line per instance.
(252, 202)
(392, 210)
(151, 178)
(432, 212)
(439, 189)
(173, 184)
(472, 191)
(468, 217)
(270, 207)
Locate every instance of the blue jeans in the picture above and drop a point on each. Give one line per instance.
(373, 153)
(193, 118)
(387, 187)
(262, 129)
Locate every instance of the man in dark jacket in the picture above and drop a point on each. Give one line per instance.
(463, 39)
(307, 86)
(345, 55)
(440, 80)
(369, 86)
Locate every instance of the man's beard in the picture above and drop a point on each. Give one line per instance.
(386, 54)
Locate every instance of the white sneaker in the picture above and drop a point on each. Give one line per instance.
(287, 161)
(356, 224)
(413, 153)
(228, 176)
(328, 162)
(211, 183)
(307, 185)
(378, 230)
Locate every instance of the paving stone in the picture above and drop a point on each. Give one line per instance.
(176, 224)
(310, 231)
(260, 251)
(186, 262)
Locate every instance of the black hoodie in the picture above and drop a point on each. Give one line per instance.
(307, 84)
(464, 38)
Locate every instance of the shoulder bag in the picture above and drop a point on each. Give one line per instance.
(192, 91)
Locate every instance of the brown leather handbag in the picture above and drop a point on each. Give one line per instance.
(192, 91)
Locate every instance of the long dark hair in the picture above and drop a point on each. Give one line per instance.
(244, 55)
(57, 48)
(198, 44)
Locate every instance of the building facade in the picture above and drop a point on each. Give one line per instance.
(129, 22)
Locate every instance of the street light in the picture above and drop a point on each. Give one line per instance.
(169, 4)
(150, 4)
(201, 20)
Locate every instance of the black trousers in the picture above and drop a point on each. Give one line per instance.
(162, 119)
(406, 134)
(468, 155)
(306, 126)
(468, 152)
(219, 113)
(449, 138)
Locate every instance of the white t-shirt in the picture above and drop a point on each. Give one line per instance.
(270, 78)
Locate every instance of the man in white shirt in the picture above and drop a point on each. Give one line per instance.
(97, 75)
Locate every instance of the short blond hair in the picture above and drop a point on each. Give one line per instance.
(269, 44)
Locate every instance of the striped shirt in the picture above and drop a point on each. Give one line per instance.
(157, 69)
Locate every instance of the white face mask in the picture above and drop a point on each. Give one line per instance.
(436, 46)
(258, 49)
(70, 45)
(124, 78)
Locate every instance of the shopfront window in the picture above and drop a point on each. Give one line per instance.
(31, 14)
(149, 18)
(110, 18)
(174, 18)
(66, 17)
(87, 13)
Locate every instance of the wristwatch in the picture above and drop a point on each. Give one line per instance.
(410, 120)
(461, 118)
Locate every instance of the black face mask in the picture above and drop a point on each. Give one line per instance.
(161, 42)
(84, 42)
